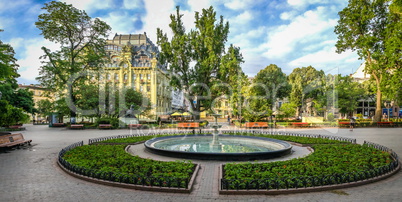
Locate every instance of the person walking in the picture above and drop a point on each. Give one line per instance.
(352, 123)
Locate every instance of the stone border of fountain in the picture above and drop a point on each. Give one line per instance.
(220, 156)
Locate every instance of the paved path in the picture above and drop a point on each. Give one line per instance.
(30, 173)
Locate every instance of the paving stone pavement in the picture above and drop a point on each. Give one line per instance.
(31, 174)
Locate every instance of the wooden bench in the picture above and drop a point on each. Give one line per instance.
(10, 140)
(385, 123)
(16, 127)
(343, 124)
(256, 125)
(300, 124)
(188, 125)
(77, 126)
(58, 124)
(134, 126)
(105, 126)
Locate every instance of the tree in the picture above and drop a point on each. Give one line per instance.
(272, 83)
(44, 107)
(288, 109)
(8, 65)
(348, 93)
(306, 83)
(82, 43)
(205, 47)
(372, 28)
(12, 101)
(231, 72)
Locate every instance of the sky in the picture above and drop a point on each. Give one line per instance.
(288, 33)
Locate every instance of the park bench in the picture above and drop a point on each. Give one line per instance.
(105, 126)
(134, 126)
(77, 126)
(385, 123)
(58, 124)
(256, 125)
(344, 124)
(300, 124)
(188, 125)
(10, 140)
(16, 127)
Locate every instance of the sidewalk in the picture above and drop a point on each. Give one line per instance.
(30, 173)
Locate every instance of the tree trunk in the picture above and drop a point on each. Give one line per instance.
(378, 111)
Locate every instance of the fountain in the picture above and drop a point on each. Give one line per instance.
(215, 134)
(218, 147)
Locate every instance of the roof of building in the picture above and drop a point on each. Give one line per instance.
(360, 74)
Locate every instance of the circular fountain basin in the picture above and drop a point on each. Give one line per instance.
(226, 147)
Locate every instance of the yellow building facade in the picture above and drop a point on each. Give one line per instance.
(39, 93)
(134, 65)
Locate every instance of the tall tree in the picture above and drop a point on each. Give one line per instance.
(8, 65)
(195, 58)
(274, 82)
(231, 72)
(307, 83)
(13, 102)
(372, 28)
(82, 42)
(348, 93)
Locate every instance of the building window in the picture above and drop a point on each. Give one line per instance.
(140, 76)
(108, 76)
(148, 88)
(141, 88)
(116, 76)
(125, 76)
(134, 76)
(149, 76)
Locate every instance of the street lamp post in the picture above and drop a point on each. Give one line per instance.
(388, 105)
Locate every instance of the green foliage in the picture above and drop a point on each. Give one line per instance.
(108, 120)
(307, 83)
(20, 98)
(326, 160)
(349, 93)
(372, 28)
(288, 109)
(8, 65)
(108, 158)
(44, 107)
(81, 41)
(11, 115)
(205, 46)
(330, 117)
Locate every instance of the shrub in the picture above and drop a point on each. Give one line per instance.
(109, 120)
(331, 117)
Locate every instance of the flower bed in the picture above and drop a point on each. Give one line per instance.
(330, 164)
(113, 163)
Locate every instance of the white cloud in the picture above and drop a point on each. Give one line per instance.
(242, 18)
(16, 43)
(157, 16)
(29, 61)
(236, 4)
(304, 3)
(130, 4)
(304, 29)
(288, 15)
(90, 6)
(327, 59)
(121, 22)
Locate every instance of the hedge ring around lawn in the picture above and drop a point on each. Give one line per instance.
(275, 185)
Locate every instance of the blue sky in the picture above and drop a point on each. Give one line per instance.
(288, 33)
